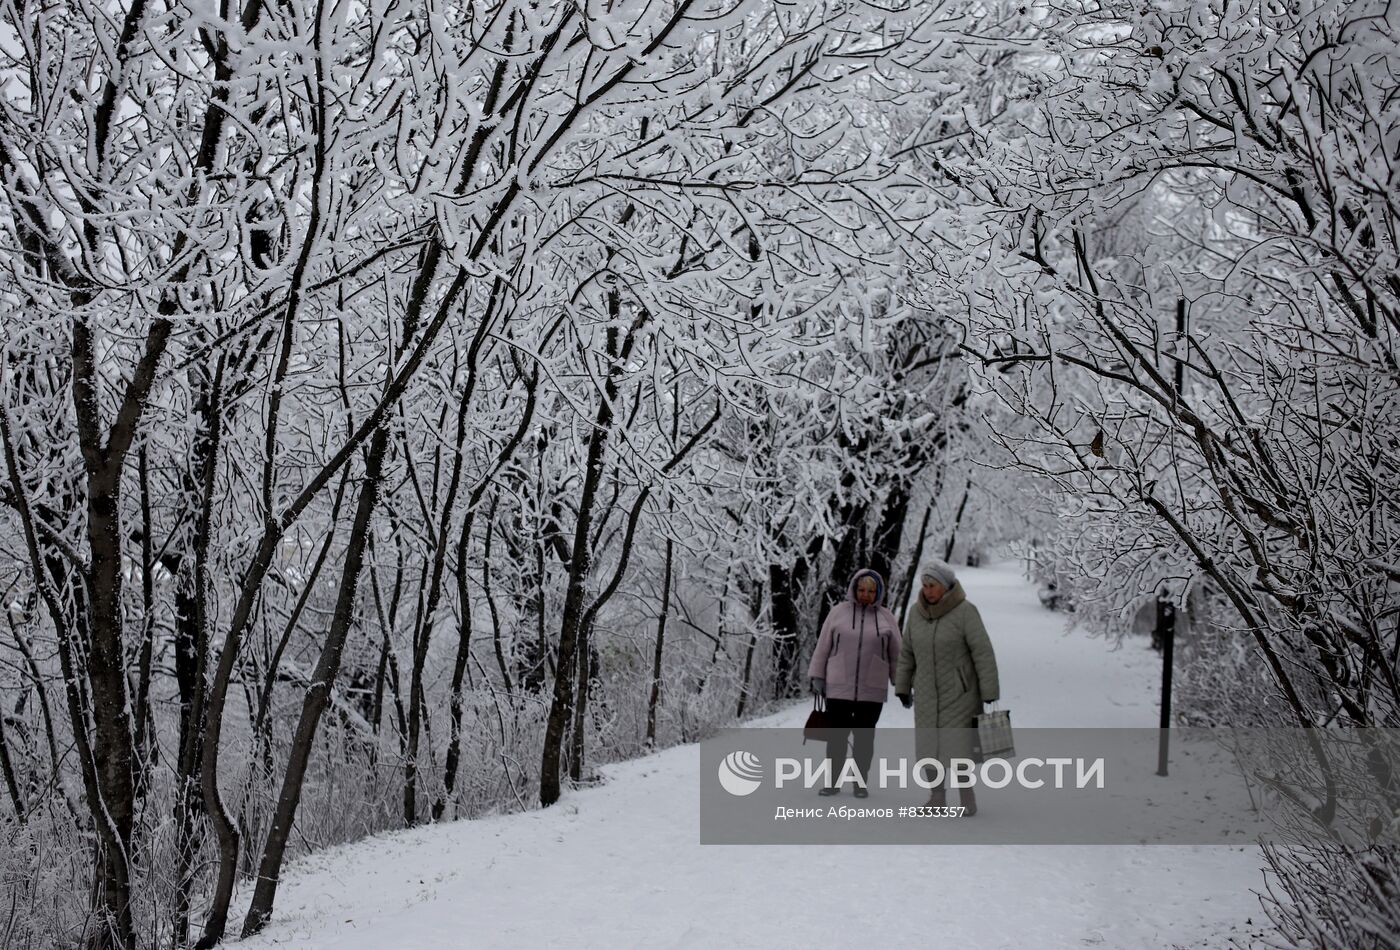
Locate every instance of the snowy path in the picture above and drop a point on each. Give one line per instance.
(620, 865)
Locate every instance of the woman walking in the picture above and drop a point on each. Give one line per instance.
(853, 667)
(947, 670)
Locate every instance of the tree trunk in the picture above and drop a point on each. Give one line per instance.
(889, 534)
(561, 706)
(459, 669)
(464, 634)
(45, 709)
(585, 668)
(114, 746)
(786, 587)
(318, 692)
(273, 529)
(417, 699)
(903, 595)
(654, 698)
(144, 722)
(755, 611)
(192, 646)
(496, 643)
(845, 560)
(8, 770)
(957, 522)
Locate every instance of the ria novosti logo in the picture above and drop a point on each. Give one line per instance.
(741, 773)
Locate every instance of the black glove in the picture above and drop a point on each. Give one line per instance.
(906, 699)
(819, 686)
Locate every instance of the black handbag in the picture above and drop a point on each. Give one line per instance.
(818, 721)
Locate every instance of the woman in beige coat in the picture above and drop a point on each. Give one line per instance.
(947, 671)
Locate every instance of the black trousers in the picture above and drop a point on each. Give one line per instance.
(848, 716)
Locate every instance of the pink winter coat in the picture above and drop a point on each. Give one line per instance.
(858, 649)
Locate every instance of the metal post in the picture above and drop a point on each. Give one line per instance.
(1166, 630)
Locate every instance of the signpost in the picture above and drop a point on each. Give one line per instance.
(1165, 631)
(1166, 635)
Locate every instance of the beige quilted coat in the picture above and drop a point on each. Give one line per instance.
(946, 662)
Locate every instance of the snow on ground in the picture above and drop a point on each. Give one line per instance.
(620, 865)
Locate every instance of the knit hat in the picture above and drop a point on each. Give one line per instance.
(940, 572)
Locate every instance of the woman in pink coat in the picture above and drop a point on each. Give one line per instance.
(853, 666)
